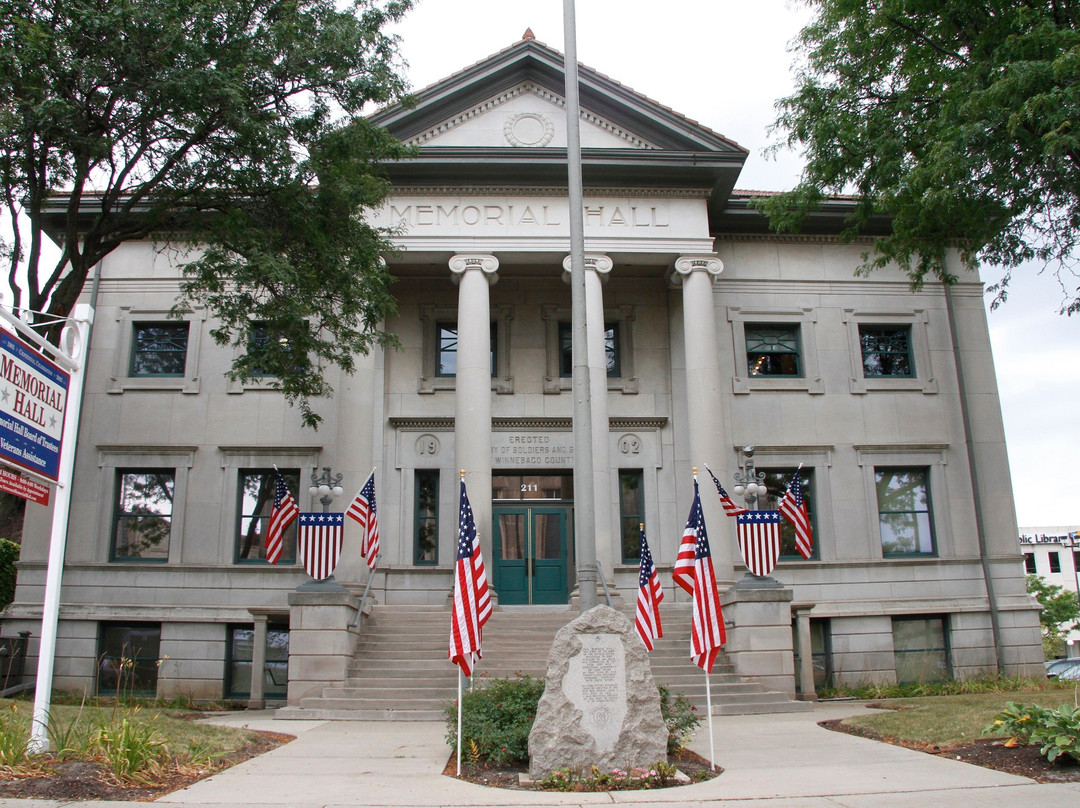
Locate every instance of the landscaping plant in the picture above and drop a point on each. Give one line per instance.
(1057, 731)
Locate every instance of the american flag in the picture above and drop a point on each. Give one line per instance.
(793, 507)
(683, 572)
(283, 513)
(650, 593)
(730, 508)
(759, 540)
(363, 512)
(320, 542)
(707, 633)
(472, 601)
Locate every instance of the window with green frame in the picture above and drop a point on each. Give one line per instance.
(904, 516)
(128, 655)
(426, 517)
(921, 649)
(446, 346)
(255, 503)
(159, 349)
(240, 650)
(772, 350)
(142, 520)
(886, 351)
(611, 350)
(777, 480)
(631, 512)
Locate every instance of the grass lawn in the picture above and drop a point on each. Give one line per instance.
(947, 720)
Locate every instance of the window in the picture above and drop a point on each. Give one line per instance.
(921, 649)
(238, 664)
(772, 350)
(159, 349)
(446, 349)
(1029, 564)
(426, 544)
(886, 350)
(566, 350)
(128, 659)
(631, 513)
(255, 494)
(777, 480)
(903, 497)
(143, 516)
(1055, 561)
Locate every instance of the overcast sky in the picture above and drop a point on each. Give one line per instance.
(724, 63)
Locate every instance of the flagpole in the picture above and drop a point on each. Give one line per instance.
(708, 706)
(459, 724)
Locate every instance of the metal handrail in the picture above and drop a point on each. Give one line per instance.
(603, 583)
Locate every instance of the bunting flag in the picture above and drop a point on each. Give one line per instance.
(320, 539)
(282, 515)
(683, 572)
(650, 593)
(707, 635)
(472, 601)
(730, 508)
(759, 540)
(362, 511)
(793, 507)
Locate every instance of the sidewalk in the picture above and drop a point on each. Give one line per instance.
(769, 761)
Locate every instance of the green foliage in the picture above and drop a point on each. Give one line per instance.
(9, 554)
(1058, 731)
(986, 683)
(131, 747)
(1059, 615)
(660, 775)
(496, 719)
(681, 718)
(234, 126)
(14, 736)
(956, 118)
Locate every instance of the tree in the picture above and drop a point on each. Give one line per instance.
(959, 119)
(230, 128)
(1059, 615)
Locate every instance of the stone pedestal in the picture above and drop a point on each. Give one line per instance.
(760, 643)
(321, 644)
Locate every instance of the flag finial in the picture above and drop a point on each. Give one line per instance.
(694, 469)
(463, 474)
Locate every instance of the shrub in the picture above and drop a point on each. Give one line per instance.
(660, 775)
(681, 718)
(983, 683)
(1058, 731)
(9, 554)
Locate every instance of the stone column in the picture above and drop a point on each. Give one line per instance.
(597, 268)
(808, 692)
(696, 275)
(256, 700)
(473, 275)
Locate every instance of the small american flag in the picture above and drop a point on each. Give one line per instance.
(320, 542)
(730, 508)
(472, 601)
(683, 572)
(283, 513)
(650, 593)
(707, 635)
(759, 540)
(793, 507)
(363, 512)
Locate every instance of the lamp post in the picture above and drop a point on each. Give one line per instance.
(749, 482)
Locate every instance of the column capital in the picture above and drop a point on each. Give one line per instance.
(687, 264)
(599, 262)
(488, 264)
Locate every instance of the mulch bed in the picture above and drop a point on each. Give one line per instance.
(87, 780)
(990, 753)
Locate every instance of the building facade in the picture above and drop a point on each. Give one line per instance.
(1053, 553)
(707, 334)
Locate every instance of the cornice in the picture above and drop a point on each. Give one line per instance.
(435, 424)
(546, 191)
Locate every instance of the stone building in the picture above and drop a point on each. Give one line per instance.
(707, 334)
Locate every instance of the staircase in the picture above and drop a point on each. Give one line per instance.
(400, 671)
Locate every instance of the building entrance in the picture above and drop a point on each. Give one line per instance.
(532, 519)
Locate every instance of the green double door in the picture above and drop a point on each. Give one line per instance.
(530, 548)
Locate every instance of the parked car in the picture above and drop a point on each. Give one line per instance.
(1064, 668)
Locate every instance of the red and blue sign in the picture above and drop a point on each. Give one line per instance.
(33, 395)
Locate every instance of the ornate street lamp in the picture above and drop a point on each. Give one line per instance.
(749, 482)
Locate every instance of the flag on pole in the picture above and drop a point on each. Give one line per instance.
(793, 507)
(730, 508)
(759, 540)
(707, 634)
(683, 572)
(282, 515)
(363, 512)
(472, 601)
(320, 538)
(650, 593)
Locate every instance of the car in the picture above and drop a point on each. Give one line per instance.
(1056, 667)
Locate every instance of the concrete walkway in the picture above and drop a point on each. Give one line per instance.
(769, 761)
